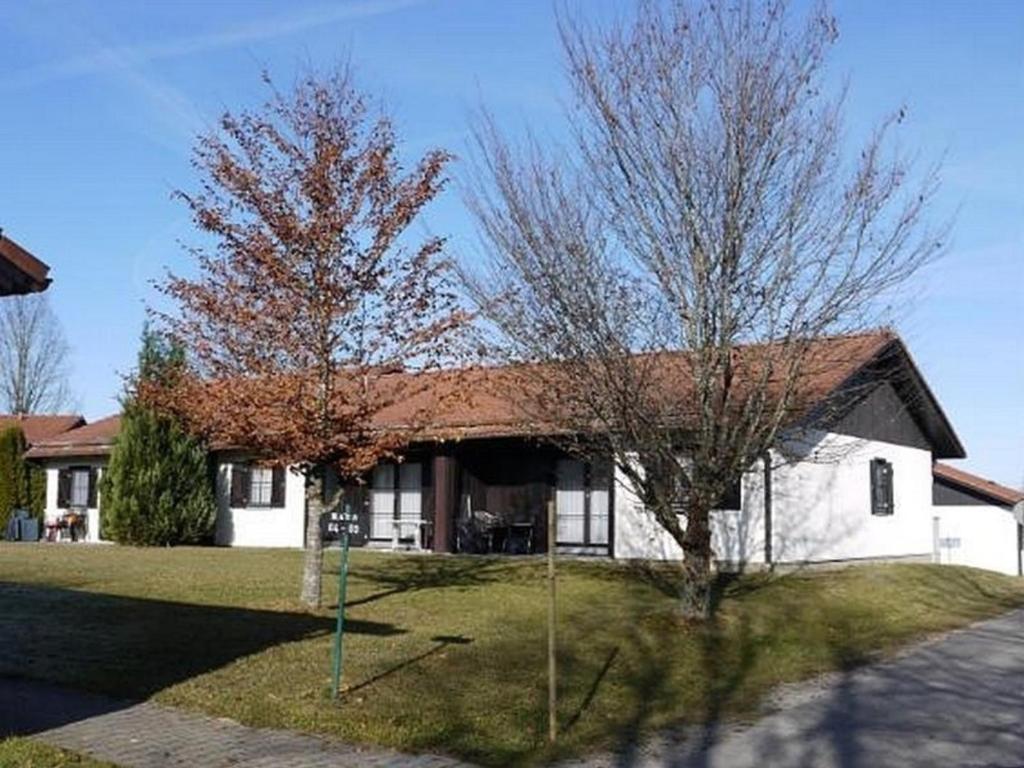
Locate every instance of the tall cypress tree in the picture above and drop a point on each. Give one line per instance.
(14, 475)
(158, 487)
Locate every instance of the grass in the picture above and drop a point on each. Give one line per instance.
(448, 653)
(22, 753)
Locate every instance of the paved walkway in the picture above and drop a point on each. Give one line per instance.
(152, 736)
(955, 701)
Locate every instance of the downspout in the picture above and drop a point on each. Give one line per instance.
(768, 555)
(1018, 514)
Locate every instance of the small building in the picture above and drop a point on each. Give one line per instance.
(977, 522)
(74, 462)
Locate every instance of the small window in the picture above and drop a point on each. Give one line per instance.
(79, 488)
(261, 486)
(881, 487)
(254, 486)
(732, 497)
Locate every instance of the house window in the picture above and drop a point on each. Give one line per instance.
(79, 488)
(261, 484)
(731, 499)
(76, 488)
(253, 486)
(881, 487)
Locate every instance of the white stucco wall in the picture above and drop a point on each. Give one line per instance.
(821, 509)
(261, 526)
(53, 511)
(987, 537)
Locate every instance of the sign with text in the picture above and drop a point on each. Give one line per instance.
(343, 522)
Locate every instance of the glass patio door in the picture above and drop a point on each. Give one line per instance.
(570, 502)
(410, 497)
(382, 502)
(582, 498)
(396, 493)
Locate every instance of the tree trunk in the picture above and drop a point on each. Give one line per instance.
(695, 594)
(313, 564)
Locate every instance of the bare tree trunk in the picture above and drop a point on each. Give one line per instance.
(695, 595)
(313, 564)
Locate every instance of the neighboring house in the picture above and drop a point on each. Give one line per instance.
(857, 486)
(74, 463)
(977, 522)
(20, 271)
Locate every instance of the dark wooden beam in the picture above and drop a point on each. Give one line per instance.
(446, 500)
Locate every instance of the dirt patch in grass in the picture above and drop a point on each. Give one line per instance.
(448, 653)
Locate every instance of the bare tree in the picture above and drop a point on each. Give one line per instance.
(34, 368)
(674, 265)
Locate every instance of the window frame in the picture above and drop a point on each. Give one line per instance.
(240, 488)
(262, 478)
(75, 473)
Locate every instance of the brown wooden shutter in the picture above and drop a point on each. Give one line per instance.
(277, 488)
(92, 487)
(881, 487)
(239, 485)
(64, 488)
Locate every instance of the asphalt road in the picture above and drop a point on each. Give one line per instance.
(954, 701)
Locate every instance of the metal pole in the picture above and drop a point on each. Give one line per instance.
(552, 677)
(342, 588)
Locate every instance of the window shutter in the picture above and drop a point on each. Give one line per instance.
(277, 488)
(239, 485)
(92, 487)
(889, 501)
(881, 487)
(64, 488)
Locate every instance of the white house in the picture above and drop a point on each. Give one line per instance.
(74, 461)
(857, 486)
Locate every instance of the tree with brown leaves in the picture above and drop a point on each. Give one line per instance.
(674, 265)
(312, 292)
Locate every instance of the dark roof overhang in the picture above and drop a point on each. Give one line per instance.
(894, 365)
(20, 271)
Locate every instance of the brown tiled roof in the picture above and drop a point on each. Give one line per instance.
(41, 427)
(20, 271)
(491, 401)
(94, 439)
(486, 402)
(491, 405)
(979, 485)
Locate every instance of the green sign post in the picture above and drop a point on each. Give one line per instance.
(343, 523)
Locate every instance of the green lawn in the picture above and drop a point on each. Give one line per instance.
(22, 753)
(448, 653)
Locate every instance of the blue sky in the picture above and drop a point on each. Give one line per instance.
(99, 103)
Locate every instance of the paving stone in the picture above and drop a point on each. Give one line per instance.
(147, 735)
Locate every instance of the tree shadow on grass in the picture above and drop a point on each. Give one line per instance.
(131, 648)
(400, 575)
(440, 643)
